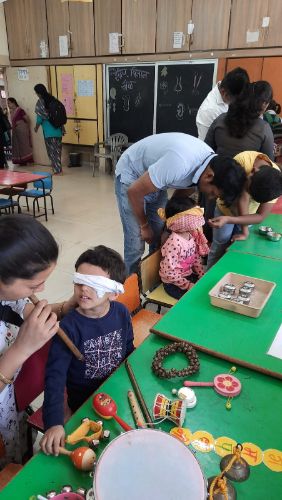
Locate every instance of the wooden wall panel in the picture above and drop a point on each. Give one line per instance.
(253, 65)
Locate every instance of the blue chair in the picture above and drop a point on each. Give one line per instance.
(7, 205)
(42, 189)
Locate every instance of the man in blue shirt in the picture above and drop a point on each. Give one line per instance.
(171, 160)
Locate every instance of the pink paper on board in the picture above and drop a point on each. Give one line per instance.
(67, 93)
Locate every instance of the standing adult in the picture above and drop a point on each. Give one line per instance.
(149, 167)
(21, 137)
(28, 255)
(52, 135)
(219, 98)
(4, 130)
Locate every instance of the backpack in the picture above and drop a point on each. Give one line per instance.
(57, 113)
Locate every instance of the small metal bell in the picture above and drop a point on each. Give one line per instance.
(220, 495)
(240, 470)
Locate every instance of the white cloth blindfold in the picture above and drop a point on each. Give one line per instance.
(100, 284)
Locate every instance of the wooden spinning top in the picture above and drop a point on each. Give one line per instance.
(222, 489)
(234, 466)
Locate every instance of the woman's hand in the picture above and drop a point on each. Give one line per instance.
(53, 439)
(39, 327)
(218, 222)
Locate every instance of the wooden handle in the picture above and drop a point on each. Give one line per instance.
(139, 395)
(136, 411)
(122, 423)
(64, 451)
(62, 335)
(187, 383)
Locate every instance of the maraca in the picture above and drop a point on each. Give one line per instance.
(106, 407)
(225, 384)
(83, 458)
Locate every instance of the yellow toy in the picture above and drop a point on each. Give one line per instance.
(80, 434)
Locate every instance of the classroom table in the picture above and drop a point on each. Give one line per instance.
(232, 336)
(258, 244)
(255, 418)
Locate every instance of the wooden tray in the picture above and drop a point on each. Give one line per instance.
(260, 296)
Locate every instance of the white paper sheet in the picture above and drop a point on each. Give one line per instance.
(85, 88)
(114, 43)
(252, 36)
(23, 74)
(63, 45)
(265, 22)
(276, 346)
(178, 37)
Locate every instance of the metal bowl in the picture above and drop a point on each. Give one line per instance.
(265, 229)
(273, 236)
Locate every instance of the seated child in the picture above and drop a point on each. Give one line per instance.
(101, 329)
(264, 186)
(181, 263)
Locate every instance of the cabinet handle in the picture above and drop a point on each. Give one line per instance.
(122, 41)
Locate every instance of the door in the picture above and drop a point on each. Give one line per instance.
(211, 24)
(271, 71)
(16, 29)
(85, 91)
(172, 17)
(82, 29)
(58, 24)
(253, 65)
(273, 32)
(139, 26)
(246, 21)
(107, 20)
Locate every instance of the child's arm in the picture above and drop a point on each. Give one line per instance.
(53, 439)
(262, 212)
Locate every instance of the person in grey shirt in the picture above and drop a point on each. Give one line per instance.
(149, 167)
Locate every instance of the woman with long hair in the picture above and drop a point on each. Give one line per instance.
(52, 135)
(21, 137)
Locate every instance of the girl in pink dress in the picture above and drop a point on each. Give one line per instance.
(181, 264)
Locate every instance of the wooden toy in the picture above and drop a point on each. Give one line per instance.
(225, 384)
(106, 407)
(165, 408)
(80, 434)
(83, 458)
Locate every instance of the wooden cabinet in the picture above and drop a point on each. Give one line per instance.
(107, 20)
(246, 21)
(172, 16)
(139, 26)
(271, 71)
(273, 33)
(211, 24)
(75, 20)
(253, 65)
(81, 132)
(26, 29)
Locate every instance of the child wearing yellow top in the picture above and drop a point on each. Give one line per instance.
(263, 187)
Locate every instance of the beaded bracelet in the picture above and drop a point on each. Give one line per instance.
(185, 348)
(5, 380)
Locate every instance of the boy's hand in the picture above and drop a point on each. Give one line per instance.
(53, 439)
(218, 222)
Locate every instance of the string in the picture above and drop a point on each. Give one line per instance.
(220, 480)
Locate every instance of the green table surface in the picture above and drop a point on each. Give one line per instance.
(239, 338)
(255, 417)
(258, 244)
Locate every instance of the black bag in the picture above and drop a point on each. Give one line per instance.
(57, 113)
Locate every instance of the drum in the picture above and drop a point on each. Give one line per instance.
(148, 464)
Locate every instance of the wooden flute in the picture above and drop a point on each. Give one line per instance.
(62, 335)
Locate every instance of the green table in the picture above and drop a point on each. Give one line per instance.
(257, 244)
(232, 336)
(255, 417)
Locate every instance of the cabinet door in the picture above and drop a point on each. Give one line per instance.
(271, 71)
(273, 33)
(139, 26)
(82, 28)
(246, 20)
(85, 91)
(107, 14)
(172, 16)
(71, 135)
(211, 24)
(88, 135)
(16, 29)
(58, 24)
(253, 65)
(36, 26)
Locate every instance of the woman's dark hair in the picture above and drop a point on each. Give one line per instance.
(266, 184)
(247, 107)
(235, 81)
(178, 204)
(41, 90)
(109, 260)
(13, 100)
(26, 248)
(229, 177)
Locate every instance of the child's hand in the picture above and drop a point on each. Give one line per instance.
(218, 222)
(53, 439)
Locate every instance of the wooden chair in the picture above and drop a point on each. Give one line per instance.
(151, 285)
(142, 319)
(112, 149)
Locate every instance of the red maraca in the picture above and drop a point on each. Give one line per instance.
(106, 407)
(83, 458)
(225, 384)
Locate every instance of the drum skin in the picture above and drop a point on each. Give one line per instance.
(148, 464)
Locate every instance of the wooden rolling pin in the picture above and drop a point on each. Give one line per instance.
(62, 335)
